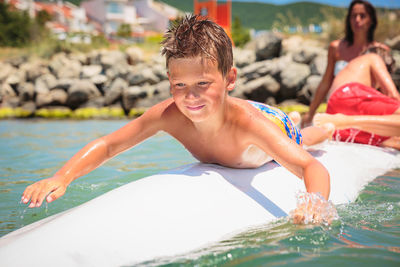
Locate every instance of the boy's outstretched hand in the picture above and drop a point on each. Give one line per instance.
(313, 209)
(50, 188)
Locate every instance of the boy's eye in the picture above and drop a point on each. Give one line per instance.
(179, 85)
(203, 83)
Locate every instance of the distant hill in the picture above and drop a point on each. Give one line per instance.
(262, 15)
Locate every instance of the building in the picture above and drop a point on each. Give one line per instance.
(141, 15)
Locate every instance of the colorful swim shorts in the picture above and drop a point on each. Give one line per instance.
(358, 99)
(282, 120)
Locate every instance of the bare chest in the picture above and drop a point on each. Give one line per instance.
(227, 151)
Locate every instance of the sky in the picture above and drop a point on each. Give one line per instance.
(342, 3)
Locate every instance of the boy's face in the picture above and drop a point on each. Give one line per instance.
(198, 87)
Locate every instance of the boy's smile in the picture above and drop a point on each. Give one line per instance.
(198, 87)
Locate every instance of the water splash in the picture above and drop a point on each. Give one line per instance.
(312, 208)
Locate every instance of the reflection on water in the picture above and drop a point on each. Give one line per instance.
(367, 233)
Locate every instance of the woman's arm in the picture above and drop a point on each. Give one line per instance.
(324, 85)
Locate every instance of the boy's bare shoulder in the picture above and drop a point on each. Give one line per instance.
(245, 114)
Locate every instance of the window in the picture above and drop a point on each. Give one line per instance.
(115, 8)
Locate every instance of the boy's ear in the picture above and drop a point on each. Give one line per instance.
(231, 79)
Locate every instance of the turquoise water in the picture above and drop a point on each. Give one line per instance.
(367, 234)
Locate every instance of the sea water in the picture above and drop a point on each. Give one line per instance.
(367, 232)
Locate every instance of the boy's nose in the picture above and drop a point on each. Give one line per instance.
(192, 93)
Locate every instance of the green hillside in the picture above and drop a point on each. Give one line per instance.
(264, 16)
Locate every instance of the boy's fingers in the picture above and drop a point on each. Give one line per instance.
(55, 194)
(26, 196)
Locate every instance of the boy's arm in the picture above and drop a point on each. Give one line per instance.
(292, 156)
(95, 154)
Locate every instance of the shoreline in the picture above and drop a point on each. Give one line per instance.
(104, 112)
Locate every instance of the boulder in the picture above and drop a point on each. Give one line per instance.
(243, 57)
(44, 83)
(266, 46)
(318, 64)
(259, 89)
(63, 67)
(394, 43)
(292, 78)
(34, 70)
(134, 55)
(90, 70)
(112, 58)
(26, 92)
(131, 95)
(114, 92)
(6, 70)
(306, 94)
(142, 76)
(80, 92)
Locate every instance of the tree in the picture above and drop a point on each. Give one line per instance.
(240, 35)
(14, 26)
(124, 31)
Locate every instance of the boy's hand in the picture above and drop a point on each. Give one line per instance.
(313, 208)
(52, 187)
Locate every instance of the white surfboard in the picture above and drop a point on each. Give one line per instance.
(184, 209)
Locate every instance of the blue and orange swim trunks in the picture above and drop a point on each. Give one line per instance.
(282, 120)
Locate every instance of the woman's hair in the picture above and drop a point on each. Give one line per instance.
(197, 36)
(349, 37)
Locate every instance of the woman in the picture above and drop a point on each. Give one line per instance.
(361, 22)
(362, 114)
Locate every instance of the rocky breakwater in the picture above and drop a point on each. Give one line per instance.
(106, 83)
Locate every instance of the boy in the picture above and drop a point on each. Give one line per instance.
(213, 126)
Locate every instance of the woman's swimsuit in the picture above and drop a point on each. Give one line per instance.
(358, 99)
(339, 65)
(282, 120)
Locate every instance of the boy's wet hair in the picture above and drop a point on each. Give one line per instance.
(197, 36)
(385, 55)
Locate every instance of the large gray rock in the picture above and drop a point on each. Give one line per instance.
(318, 64)
(135, 55)
(243, 57)
(44, 83)
(34, 70)
(43, 99)
(112, 58)
(6, 70)
(114, 92)
(90, 70)
(6, 91)
(58, 97)
(306, 94)
(80, 92)
(394, 43)
(259, 89)
(131, 95)
(26, 92)
(267, 45)
(293, 78)
(63, 67)
(139, 77)
(120, 70)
